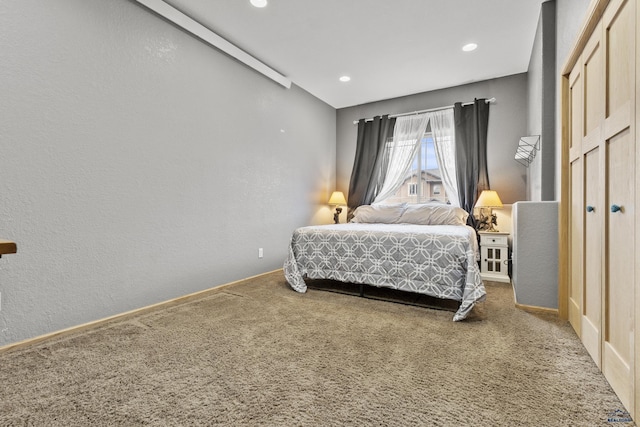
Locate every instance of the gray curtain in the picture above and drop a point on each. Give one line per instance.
(471, 123)
(367, 173)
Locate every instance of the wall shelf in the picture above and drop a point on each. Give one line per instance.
(527, 148)
(7, 247)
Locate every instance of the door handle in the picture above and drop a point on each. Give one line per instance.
(616, 208)
(590, 208)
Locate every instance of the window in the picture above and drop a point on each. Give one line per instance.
(423, 182)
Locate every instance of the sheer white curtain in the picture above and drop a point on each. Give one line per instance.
(443, 130)
(407, 134)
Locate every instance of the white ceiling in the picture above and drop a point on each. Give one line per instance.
(390, 48)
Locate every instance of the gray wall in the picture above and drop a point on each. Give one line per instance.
(535, 253)
(138, 164)
(541, 290)
(541, 107)
(507, 122)
(556, 34)
(570, 16)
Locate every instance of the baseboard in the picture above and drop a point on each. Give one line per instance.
(131, 313)
(536, 309)
(531, 308)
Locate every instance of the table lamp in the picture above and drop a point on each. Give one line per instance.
(488, 199)
(337, 199)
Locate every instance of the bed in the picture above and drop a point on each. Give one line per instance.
(425, 249)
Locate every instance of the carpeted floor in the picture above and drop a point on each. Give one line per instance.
(258, 353)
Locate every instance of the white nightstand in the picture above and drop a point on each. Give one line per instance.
(494, 253)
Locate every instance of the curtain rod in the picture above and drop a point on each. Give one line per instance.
(488, 101)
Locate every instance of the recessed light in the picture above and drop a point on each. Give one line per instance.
(469, 47)
(345, 78)
(259, 3)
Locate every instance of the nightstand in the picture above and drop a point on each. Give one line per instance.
(494, 253)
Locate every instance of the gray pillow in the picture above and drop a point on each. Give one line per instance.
(434, 214)
(384, 214)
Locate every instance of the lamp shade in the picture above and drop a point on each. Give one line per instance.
(337, 198)
(489, 199)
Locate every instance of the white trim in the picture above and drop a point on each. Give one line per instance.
(195, 28)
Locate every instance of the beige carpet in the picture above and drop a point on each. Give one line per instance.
(258, 353)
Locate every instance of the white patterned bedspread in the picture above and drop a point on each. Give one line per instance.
(436, 260)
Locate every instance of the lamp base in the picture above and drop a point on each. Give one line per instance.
(487, 222)
(491, 228)
(336, 216)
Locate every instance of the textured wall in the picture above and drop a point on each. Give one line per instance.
(507, 122)
(138, 164)
(535, 253)
(534, 113)
(542, 104)
(570, 15)
(560, 21)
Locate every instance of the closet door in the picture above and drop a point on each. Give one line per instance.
(600, 184)
(575, 195)
(619, 136)
(594, 113)
(591, 320)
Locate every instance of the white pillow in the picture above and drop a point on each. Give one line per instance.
(384, 214)
(434, 214)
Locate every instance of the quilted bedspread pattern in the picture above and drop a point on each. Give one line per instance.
(436, 260)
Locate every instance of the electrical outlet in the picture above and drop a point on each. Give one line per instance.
(260, 253)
